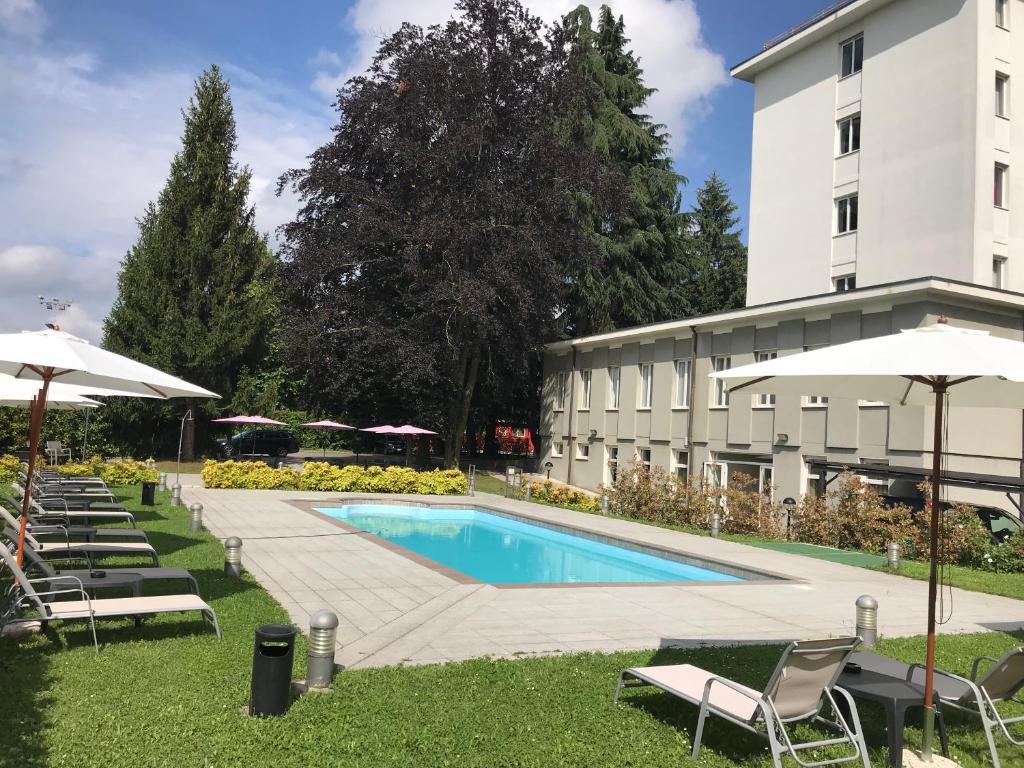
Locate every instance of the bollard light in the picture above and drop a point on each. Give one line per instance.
(867, 620)
(163, 481)
(196, 520)
(892, 553)
(529, 490)
(604, 504)
(323, 632)
(176, 495)
(789, 504)
(716, 524)
(233, 556)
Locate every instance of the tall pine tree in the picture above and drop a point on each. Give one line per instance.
(639, 268)
(195, 292)
(718, 258)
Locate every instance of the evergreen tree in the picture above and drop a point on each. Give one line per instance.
(718, 257)
(195, 291)
(639, 269)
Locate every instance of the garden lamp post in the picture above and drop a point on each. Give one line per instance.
(181, 435)
(790, 504)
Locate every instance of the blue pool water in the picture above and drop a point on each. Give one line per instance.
(501, 550)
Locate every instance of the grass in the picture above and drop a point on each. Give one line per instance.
(1005, 584)
(187, 467)
(169, 694)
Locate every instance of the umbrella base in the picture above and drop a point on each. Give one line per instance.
(914, 760)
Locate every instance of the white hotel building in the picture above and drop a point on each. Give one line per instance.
(883, 194)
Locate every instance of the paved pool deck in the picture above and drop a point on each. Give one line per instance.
(396, 610)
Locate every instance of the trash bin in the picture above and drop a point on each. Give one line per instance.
(272, 659)
(149, 493)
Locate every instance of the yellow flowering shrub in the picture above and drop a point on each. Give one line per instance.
(9, 468)
(115, 472)
(321, 476)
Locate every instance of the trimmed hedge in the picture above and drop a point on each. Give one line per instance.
(320, 476)
(115, 472)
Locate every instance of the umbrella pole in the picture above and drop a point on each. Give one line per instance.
(35, 427)
(929, 680)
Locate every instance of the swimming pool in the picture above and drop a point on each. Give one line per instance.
(499, 549)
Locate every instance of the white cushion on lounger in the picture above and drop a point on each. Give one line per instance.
(688, 681)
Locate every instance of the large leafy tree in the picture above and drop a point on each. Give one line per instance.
(195, 291)
(641, 265)
(718, 257)
(431, 248)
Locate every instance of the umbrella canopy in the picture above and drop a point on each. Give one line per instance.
(326, 424)
(250, 420)
(18, 393)
(408, 429)
(935, 365)
(51, 355)
(383, 429)
(59, 356)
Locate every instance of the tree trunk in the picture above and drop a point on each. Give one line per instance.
(188, 438)
(459, 411)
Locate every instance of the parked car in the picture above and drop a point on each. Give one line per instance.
(999, 523)
(394, 445)
(262, 442)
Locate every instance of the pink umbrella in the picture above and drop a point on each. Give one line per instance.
(406, 430)
(250, 420)
(326, 424)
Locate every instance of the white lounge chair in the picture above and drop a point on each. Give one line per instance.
(803, 682)
(1002, 683)
(55, 452)
(88, 551)
(26, 597)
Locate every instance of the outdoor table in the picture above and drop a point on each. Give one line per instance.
(885, 681)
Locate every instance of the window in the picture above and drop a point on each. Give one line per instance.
(646, 384)
(849, 135)
(721, 393)
(643, 457)
(582, 451)
(765, 401)
(844, 284)
(1000, 198)
(585, 379)
(1003, 13)
(680, 465)
(557, 450)
(815, 399)
(614, 376)
(1002, 95)
(846, 214)
(682, 384)
(853, 56)
(998, 271)
(613, 463)
(560, 389)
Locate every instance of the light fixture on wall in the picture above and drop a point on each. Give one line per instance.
(593, 434)
(781, 438)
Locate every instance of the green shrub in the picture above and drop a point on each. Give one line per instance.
(320, 476)
(114, 472)
(563, 496)
(9, 469)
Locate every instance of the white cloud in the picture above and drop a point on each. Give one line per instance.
(83, 150)
(22, 18)
(665, 34)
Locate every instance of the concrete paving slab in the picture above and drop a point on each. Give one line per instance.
(397, 610)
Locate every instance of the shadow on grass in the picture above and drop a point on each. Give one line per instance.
(26, 704)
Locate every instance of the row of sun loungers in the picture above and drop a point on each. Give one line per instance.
(60, 531)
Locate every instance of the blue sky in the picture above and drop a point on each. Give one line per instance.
(93, 92)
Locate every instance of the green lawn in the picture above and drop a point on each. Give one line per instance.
(169, 694)
(1006, 584)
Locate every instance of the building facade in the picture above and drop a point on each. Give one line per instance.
(883, 143)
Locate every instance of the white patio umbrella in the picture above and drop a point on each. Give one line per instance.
(54, 356)
(18, 393)
(937, 365)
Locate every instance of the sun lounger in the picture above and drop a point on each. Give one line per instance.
(84, 607)
(63, 530)
(45, 510)
(802, 684)
(84, 550)
(109, 578)
(979, 696)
